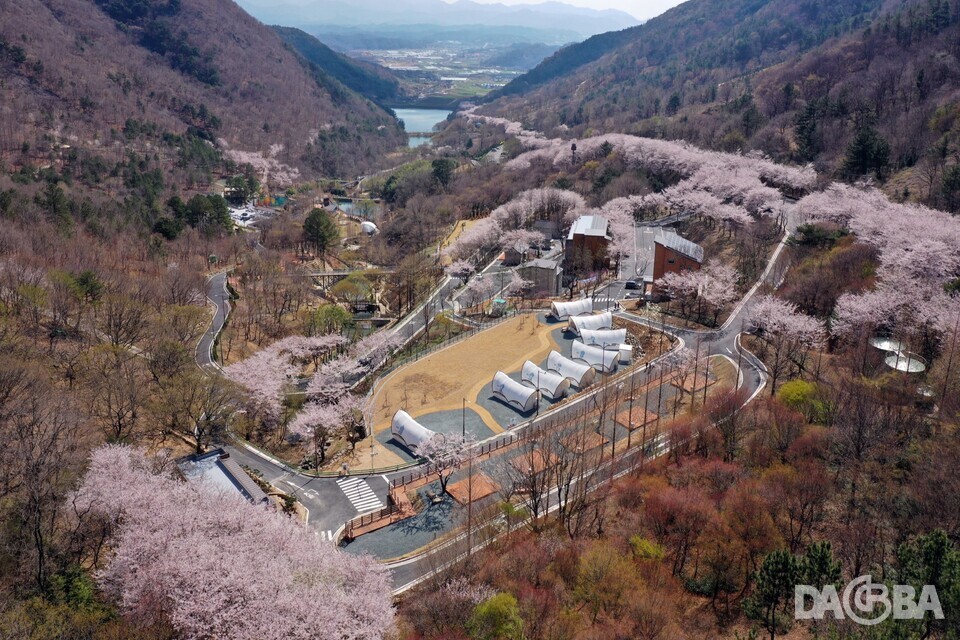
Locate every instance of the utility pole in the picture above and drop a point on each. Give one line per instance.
(470, 505)
(706, 374)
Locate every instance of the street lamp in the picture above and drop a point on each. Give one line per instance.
(463, 421)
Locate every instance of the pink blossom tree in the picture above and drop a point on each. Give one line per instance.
(317, 423)
(787, 336)
(460, 269)
(519, 240)
(445, 454)
(268, 373)
(217, 566)
(478, 290)
(480, 236)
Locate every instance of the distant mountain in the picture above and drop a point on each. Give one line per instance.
(426, 36)
(553, 16)
(182, 87)
(367, 79)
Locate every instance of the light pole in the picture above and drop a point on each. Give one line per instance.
(463, 421)
(540, 396)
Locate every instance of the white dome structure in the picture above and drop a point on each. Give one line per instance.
(551, 384)
(577, 324)
(603, 338)
(408, 431)
(369, 228)
(577, 373)
(564, 310)
(603, 360)
(517, 395)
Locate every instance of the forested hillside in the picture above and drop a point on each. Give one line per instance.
(699, 36)
(860, 88)
(100, 90)
(367, 79)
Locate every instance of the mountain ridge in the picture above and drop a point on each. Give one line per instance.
(550, 15)
(107, 86)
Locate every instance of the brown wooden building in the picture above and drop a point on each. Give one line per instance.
(672, 254)
(586, 247)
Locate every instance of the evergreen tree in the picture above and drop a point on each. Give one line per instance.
(320, 231)
(773, 594)
(868, 152)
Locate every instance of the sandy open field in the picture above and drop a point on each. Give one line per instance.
(440, 381)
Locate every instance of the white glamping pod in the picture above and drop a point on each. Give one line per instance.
(550, 384)
(408, 431)
(517, 395)
(578, 373)
(590, 323)
(603, 360)
(563, 310)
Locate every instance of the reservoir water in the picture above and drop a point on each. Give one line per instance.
(421, 121)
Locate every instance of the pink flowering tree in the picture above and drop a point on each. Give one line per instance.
(318, 423)
(787, 335)
(460, 269)
(519, 240)
(478, 290)
(216, 566)
(445, 454)
(270, 372)
(479, 237)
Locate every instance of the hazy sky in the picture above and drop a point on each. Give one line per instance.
(640, 9)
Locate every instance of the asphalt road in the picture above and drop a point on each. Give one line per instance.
(216, 294)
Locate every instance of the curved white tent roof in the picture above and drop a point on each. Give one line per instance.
(592, 323)
(578, 373)
(369, 228)
(408, 431)
(599, 359)
(563, 310)
(517, 395)
(550, 383)
(603, 338)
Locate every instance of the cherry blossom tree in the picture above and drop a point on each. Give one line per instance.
(318, 423)
(217, 566)
(517, 284)
(267, 373)
(918, 255)
(708, 289)
(478, 290)
(519, 240)
(445, 454)
(787, 335)
(460, 269)
(335, 377)
(484, 234)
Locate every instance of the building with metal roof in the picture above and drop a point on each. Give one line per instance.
(220, 471)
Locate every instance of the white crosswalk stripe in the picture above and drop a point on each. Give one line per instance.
(325, 535)
(360, 494)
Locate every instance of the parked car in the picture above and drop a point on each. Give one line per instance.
(632, 284)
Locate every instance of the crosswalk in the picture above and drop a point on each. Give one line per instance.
(360, 494)
(326, 536)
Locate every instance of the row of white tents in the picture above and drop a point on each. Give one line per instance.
(599, 348)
